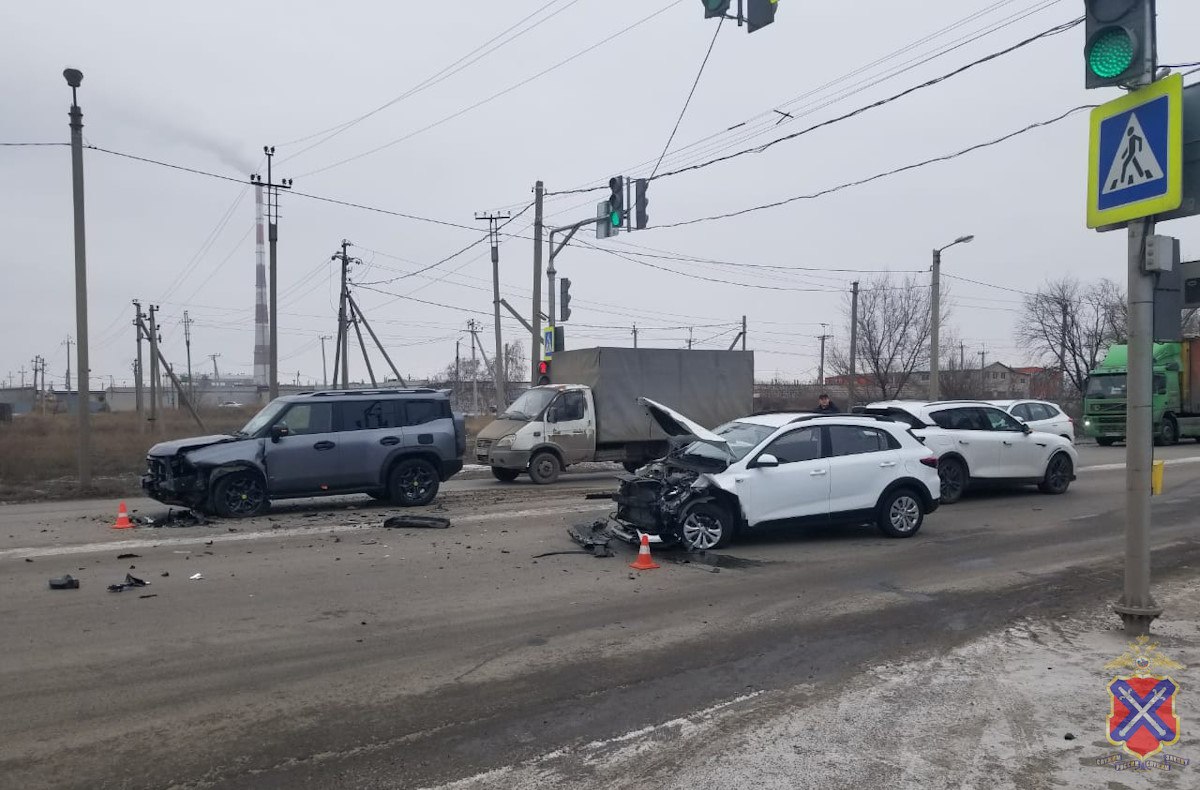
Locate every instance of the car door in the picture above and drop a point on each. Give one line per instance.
(796, 488)
(309, 458)
(370, 433)
(571, 427)
(863, 460)
(968, 433)
(1020, 455)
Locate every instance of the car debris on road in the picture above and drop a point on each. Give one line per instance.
(67, 582)
(130, 582)
(416, 522)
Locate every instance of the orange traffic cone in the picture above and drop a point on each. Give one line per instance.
(123, 521)
(644, 562)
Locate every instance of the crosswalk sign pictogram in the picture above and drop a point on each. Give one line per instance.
(1136, 155)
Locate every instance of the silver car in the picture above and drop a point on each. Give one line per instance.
(392, 444)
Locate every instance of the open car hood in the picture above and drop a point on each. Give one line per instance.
(677, 426)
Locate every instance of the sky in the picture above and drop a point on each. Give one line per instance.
(569, 92)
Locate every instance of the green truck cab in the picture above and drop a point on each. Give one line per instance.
(1176, 394)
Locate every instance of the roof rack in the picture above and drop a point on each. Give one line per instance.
(857, 415)
(346, 393)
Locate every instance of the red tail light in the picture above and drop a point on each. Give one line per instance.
(930, 461)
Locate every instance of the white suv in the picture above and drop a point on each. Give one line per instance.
(791, 468)
(978, 442)
(1040, 416)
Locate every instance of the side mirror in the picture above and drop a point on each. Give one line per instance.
(767, 461)
(278, 432)
(1025, 429)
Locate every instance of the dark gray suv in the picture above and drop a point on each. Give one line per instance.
(392, 444)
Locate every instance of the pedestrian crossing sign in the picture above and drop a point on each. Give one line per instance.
(1135, 155)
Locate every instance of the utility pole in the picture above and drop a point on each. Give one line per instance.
(853, 341)
(68, 343)
(821, 368)
(74, 78)
(187, 341)
(689, 340)
(743, 333)
(22, 372)
(635, 345)
(457, 373)
(935, 316)
(472, 328)
(341, 354)
(273, 239)
(324, 368)
(139, 398)
(962, 355)
(535, 321)
(982, 382)
(216, 373)
(494, 236)
(155, 381)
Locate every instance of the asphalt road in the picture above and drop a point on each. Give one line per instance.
(321, 650)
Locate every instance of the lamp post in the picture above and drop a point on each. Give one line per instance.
(935, 318)
(74, 78)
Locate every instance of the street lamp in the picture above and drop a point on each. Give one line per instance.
(935, 318)
(74, 78)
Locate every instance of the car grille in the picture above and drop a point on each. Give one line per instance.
(158, 470)
(481, 447)
(637, 502)
(1107, 408)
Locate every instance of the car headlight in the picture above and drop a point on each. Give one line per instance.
(506, 442)
(1087, 423)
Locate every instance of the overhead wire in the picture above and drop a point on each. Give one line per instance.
(691, 93)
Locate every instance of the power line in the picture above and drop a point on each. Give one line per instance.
(989, 285)
(691, 93)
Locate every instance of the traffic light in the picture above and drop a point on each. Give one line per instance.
(714, 8)
(564, 298)
(544, 372)
(640, 203)
(616, 201)
(1119, 43)
(760, 13)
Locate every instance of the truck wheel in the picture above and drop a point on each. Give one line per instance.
(544, 468)
(955, 479)
(705, 526)
(1105, 441)
(1168, 433)
(505, 475)
(413, 483)
(1058, 475)
(239, 495)
(900, 514)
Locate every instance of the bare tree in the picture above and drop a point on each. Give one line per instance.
(958, 379)
(1069, 324)
(893, 333)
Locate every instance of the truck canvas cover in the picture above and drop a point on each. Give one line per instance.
(710, 387)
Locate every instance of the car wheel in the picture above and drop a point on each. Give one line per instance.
(705, 526)
(900, 514)
(505, 475)
(544, 468)
(413, 483)
(1168, 433)
(1105, 441)
(239, 495)
(1058, 475)
(955, 479)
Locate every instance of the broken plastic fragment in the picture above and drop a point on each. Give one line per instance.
(67, 582)
(196, 576)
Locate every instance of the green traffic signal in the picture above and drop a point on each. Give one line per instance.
(614, 218)
(1111, 53)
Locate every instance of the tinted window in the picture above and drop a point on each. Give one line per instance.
(961, 420)
(853, 440)
(1001, 421)
(308, 418)
(419, 412)
(571, 406)
(1052, 411)
(801, 445)
(1040, 412)
(1023, 411)
(366, 415)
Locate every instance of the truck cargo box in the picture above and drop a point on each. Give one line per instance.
(710, 387)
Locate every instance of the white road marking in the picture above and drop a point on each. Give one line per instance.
(1116, 467)
(272, 534)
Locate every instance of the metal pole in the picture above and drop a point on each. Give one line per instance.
(498, 373)
(821, 366)
(366, 359)
(743, 333)
(154, 380)
(359, 316)
(1137, 607)
(137, 381)
(474, 368)
(187, 341)
(536, 318)
(935, 320)
(853, 342)
(324, 367)
(273, 274)
(343, 327)
(635, 345)
(74, 78)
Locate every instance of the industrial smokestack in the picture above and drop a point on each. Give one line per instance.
(261, 320)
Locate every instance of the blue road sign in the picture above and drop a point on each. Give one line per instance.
(1136, 154)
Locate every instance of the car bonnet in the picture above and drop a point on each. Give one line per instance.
(677, 426)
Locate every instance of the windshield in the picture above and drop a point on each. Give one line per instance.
(742, 437)
(263, 418)
(1112, 385)
(530, 404)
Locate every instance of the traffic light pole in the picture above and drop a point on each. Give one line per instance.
(570, 230)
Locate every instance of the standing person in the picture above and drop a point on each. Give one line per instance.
(826, 406)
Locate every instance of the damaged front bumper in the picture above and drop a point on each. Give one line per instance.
(172, 482)
(654, 504)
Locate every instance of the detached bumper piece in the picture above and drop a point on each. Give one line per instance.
(593, 537)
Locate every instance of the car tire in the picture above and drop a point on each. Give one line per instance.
(240, 495)
(1059, 470)
(955, 479)
(900, 513)
(413, 483)
(1168, 432)
(505, 475)
(705, 526)
(544, 468)
(1105, 441)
